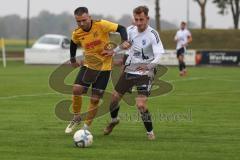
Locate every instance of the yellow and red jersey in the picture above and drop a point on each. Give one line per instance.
(93, 43)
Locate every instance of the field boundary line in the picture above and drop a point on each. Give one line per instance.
(203, 78)
(28, 95)
(206, 93)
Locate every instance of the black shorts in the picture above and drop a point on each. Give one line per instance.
(127, 81)
(180, 51)
(98, 79)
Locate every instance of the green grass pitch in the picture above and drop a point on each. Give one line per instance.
(209, 97)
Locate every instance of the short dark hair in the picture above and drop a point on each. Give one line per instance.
(141, 9)
(183, 23)
(80, 10)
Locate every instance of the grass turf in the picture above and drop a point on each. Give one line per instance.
(209, 96)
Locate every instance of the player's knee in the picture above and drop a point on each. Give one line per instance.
(180, 58)
(141, 107)
(77, 90)
(141, 103)
(115, 96)
(95, 100)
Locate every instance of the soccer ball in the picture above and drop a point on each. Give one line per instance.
(83, 138)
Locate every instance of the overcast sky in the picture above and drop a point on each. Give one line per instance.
(171, 10)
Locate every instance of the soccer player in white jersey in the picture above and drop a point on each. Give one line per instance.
(145, 50)
(183, 37)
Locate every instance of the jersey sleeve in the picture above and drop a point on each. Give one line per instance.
(176, 36)
(189, 33)
(129, 30)
(158, 49)
(156, 43)
(108, 26)
(74, 38)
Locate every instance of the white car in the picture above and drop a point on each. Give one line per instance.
(52, 41)
(50, 49)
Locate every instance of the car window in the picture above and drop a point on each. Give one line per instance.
(49, 40)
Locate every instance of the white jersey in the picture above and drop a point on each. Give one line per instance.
(129, 28)
(146, 48)
(182, 37)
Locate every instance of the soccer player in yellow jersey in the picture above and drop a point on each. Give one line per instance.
(93, 36)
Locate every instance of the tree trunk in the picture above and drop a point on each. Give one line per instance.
(203, 17)
(157, 15)
(236, 22)
(235, 13)
(203, 13)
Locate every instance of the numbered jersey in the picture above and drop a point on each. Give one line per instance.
(145, 45)
(93, 43)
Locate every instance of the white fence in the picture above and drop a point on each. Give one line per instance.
(36, 56)
(170, 58)
(39, 56)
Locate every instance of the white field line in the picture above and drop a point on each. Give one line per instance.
(171, 81)
(187, 79)
(28, 95)
(207, 93)
(183, 94)
(203, 78)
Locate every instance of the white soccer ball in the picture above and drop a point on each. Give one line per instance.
(83, 138)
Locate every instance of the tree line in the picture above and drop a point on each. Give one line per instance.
(223, 5)
(14, 27)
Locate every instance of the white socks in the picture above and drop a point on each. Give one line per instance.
(151, 132)
(114, 119)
